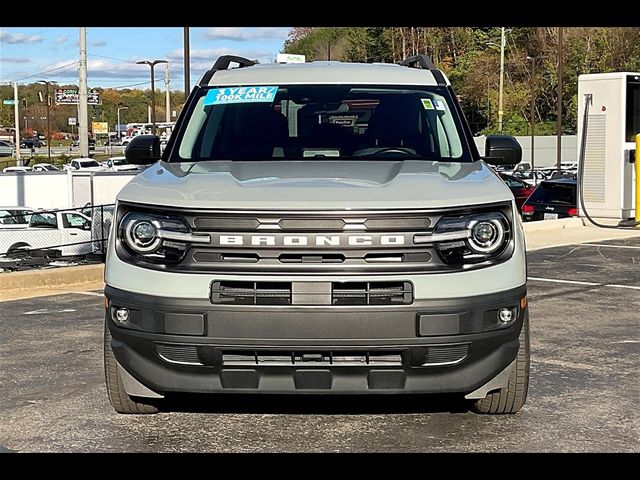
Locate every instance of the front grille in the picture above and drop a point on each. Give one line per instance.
(371, 293)
(446, 354)
(286, 358)
(251, 293)
(312, 242)
(184, 354)
(311, 293)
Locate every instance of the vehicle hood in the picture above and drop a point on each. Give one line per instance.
(308, 185)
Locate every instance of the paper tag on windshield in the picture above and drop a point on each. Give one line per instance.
(427, 103)
(222, 96)
(440, 105)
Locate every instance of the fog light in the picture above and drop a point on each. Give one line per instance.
(505, 315)
(122, 315)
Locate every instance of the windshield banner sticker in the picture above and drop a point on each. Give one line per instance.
(426, 103)
(221, 96)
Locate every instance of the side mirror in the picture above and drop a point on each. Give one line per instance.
(143, 150)
(502, 150)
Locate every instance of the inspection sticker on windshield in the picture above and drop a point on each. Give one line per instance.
(440, 105)
(221, 96)
(427, 103)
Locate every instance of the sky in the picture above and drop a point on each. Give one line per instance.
(31, 54)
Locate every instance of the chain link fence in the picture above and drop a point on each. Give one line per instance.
(73, 232)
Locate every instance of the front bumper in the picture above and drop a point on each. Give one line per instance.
(430, 346)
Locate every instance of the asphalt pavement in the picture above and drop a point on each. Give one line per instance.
(584, 302)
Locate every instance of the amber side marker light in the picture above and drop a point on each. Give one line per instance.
(523, 302)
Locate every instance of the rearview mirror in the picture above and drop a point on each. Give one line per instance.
(143, 150)
(502, 150)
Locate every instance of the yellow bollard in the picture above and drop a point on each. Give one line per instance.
(637, 165)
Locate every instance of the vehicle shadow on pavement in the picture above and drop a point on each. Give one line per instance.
(316, 404)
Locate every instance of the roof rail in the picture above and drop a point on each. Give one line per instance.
(222, 63)
(422, 61)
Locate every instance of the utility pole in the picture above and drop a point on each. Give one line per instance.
(187, 64)
(559, 106)
(16, 113)
(167, 103)
(83, 114)
(500, 112)
(532, 92)
(48, 100)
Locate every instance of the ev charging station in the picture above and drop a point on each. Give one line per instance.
(613, 121)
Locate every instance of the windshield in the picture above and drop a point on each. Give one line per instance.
(554, 193)
(119, 161)
(14, 217)
(322, 121)
(89, 163)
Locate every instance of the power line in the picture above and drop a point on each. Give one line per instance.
(47, 71)
(111, 58)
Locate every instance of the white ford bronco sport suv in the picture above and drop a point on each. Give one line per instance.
(318, 228)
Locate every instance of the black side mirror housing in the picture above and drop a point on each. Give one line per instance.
(143, 150)
(502, 150)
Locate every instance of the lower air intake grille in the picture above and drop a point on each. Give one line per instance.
(241, 358)
(372, 293)
(446, 355)
(251, 293)
(185, 354)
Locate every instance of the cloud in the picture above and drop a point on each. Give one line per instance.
(99, 43)
(16, 60)
(209, 55)
(12, 38)
(61, 39)
(239, 34)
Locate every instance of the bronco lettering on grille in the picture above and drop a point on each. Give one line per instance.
(321, 241)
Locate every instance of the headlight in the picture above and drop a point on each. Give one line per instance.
(156, 238)
(486, 235)
(471, 238)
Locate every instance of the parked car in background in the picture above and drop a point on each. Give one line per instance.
(6, 148)
(120, 164)
(45, 167)
(520, 189)
(32, 143)
(16, 169)
(84, 165)
(92, 144)
(552, 199)
(69, 232)
(15, 217)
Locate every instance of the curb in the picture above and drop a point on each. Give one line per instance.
(544, 225)
(14, 282)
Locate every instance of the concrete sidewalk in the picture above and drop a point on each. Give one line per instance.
(569, 231)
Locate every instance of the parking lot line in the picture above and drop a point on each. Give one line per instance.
(93, 294)
(622, 286)
(576, 282)
(609, 246)
(555, 280)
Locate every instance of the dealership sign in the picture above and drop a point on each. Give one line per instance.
(70, 96)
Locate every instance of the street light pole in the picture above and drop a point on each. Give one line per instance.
(119, 130)
(48, 100)
(153, 90)
(500, 112)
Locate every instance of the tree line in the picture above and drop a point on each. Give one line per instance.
(33, 112)
(471, 59)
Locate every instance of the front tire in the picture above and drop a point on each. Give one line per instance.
(118, 397)
(511, 398)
